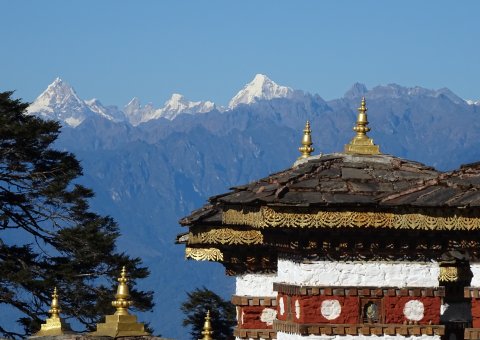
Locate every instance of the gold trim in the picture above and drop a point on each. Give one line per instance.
(203, 254)
(267, 217)
(448, 274)
(226, 236)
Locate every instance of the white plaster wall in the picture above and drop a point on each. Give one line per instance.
(286, 336)
(475, 268)
(255, 285)
(357, 273)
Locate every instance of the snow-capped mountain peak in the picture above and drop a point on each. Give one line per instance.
(178, 104)
(260, 88)
(135, 113)
(60, 102)
(133, 104)
(472, 102)
(108, 112)
(57, 93)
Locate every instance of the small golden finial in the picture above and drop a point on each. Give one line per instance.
(122, 323)
(121, 302)
(207, 328)
(55, 307)
(361, 143)
(306, 149)
(54, 325)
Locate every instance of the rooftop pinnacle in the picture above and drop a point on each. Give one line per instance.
(54, 325)
(122, 323)
(306, 149)
(361, 143)
(207, 328)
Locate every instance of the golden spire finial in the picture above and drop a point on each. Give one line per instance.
(54, 325)
(121, 302)
(361, 143)
(207, 328)
(306, 149)
(55, 307)
(122, 323)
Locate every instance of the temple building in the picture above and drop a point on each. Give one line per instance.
(349, 245)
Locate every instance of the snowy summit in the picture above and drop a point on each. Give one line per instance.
(260, 88)
(176, 105)
(60, 102)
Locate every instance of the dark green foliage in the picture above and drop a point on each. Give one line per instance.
(48, 236)
(222, 314)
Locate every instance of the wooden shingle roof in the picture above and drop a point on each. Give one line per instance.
(456, 189)
(333, 180)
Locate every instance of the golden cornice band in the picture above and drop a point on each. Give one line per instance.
(203, 254)
(226, 236)
(267, 217)
(448, 274)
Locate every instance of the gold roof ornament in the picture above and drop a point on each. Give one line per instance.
(207, 328)
(361, 143)
(54, 325)
(306, 149)
(122, 323)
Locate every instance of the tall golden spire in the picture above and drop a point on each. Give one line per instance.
(54, 307)
(122, 323)
(54, 325)
(361, 143)
(306, 149)
(121, 303)
(207, 328)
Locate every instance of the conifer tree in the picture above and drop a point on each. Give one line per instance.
(48, 235)
(222, 314)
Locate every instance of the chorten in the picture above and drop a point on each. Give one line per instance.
(122, 323)
(54, 325)
(347, 246)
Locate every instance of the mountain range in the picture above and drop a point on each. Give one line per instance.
(60, 102)
(150, 166)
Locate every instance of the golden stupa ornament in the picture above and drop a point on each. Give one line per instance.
(361, 143)
(54, 325)
(122, 323)
(207, 328)
(306, 149)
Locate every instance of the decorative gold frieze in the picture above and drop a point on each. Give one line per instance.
(448, 274)
(203, 254)
(267, 217)
(226, 236)
(455, 273)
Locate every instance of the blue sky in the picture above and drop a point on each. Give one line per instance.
(114, 50)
